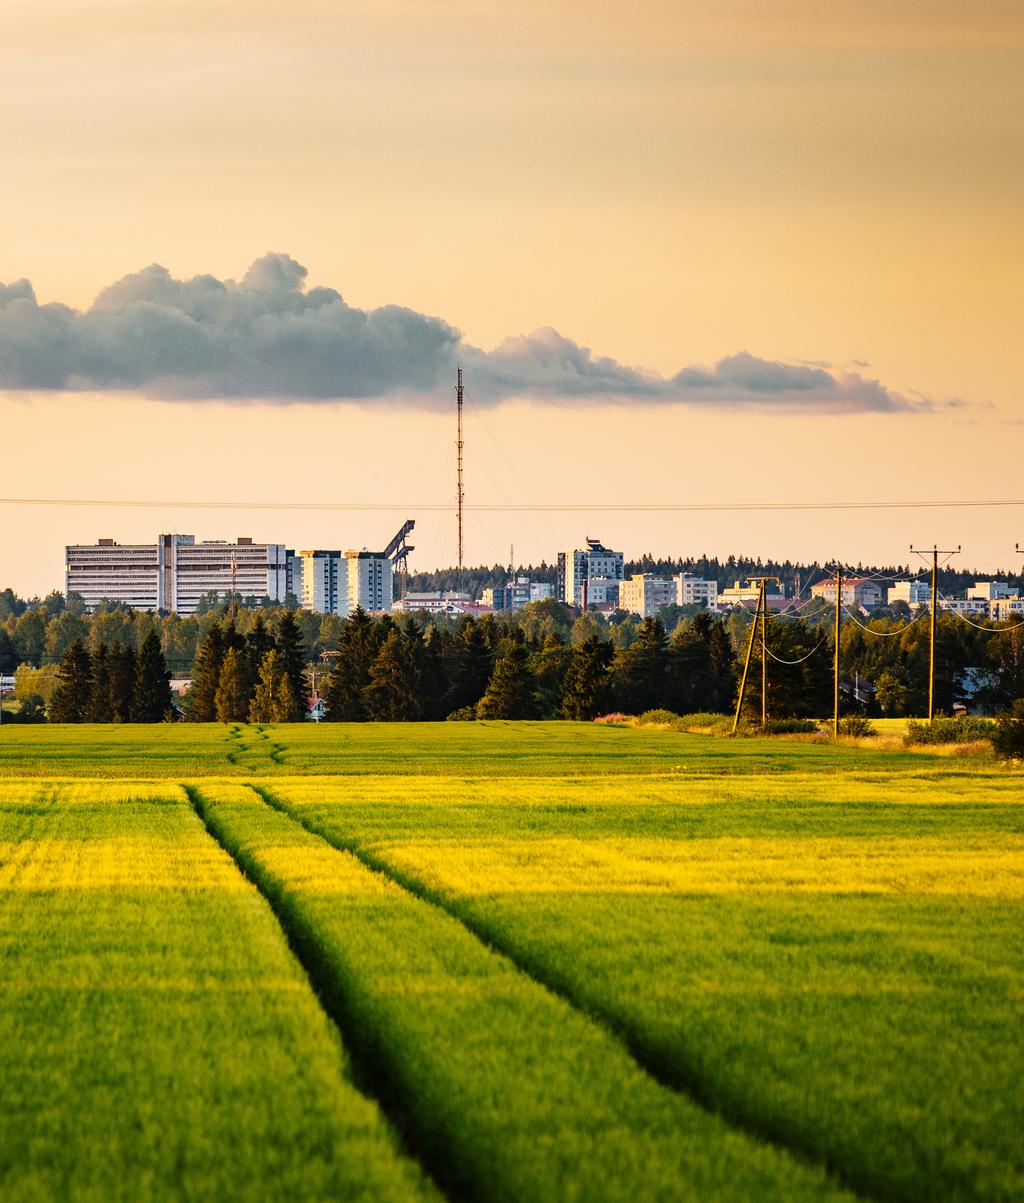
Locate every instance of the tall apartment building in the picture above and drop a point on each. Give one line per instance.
(691, 590)
(645, 594)
(325, 582)
(370, 583)
(585, 565)
(174, 573)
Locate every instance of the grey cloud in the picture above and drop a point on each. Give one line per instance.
(267, 337)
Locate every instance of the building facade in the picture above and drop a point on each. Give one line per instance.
(693, 591)
(175, 573)
(580, 567)
(645, 594)
(370, 583)
(325, 582)
(912, 593)
(858, 592)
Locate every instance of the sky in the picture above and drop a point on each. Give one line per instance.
(761, 251)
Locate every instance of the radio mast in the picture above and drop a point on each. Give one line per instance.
(460, 492)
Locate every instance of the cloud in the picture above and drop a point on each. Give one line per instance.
(269, 337)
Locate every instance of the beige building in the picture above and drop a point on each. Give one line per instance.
(644, 594)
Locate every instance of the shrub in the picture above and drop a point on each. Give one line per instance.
(703, 721)
(1008, 739)
(650, 717)
(787, 726)
(943, 730)
(465, 714)
(856, 725)
(614, 719)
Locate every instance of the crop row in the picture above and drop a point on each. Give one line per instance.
(850, 995)
(509, 1092)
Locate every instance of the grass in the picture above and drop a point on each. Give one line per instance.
(567, 961)
(158, 1041)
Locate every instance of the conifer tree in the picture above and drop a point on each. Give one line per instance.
(287, 704)
(433, 676)
(258, 641)
(550, 662)
(230, 697)
(357, 650)
(640, 673)
(393, 691)
(9, 658)
(586, 692)
(202, 697)
(724, 684)
(474, 664)
(122, 681)
(689, 666)
(512, 691)
(291, 658)
(99, 700)
(265, 706)
(71, 699)
(151, 700)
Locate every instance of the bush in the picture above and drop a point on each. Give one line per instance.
(703, 721)
(660, 717)
(614, 719)
(856, 725)
(787, 726)
(466, 714)
(1008, 739)
(943, 730)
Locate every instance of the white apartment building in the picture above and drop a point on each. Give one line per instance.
(645, 594)
(541, 591)
(174, 573)
(439, 602)
(991, 590)
(913, 593)
(325, 582)
(858, 592)
(587, 565)
(692, 591)
(1005, 607)
(370, 582)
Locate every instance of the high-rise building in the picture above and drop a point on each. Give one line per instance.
(645, 594)
(174, 573)
(584, 564)
(369, 581)
(325, 582)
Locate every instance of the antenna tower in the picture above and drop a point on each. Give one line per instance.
(460, 491)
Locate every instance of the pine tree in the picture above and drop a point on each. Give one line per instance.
(357, 650)
(724, 685)
(550, 662)
(99, 701)
(393, 692)
(265, 706)
(71, 699)
(122, 682)
(202, 697)
(474, 664)
(287, 704)
(258, 641)
(586, 692)
(433, 675)
(291, 655)
(151, 700)
(512, 691)
(230, 696)
(690, 671)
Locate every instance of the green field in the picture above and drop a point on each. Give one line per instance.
(505, 962)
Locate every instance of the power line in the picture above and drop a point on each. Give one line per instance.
(549, 508)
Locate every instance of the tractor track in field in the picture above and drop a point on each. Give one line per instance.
(644, 1056)
(367, 1072)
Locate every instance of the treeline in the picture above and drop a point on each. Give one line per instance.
(258, 676)
(112, 685)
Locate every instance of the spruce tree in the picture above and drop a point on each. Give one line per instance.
(474, 664)
(122, 682)
(512, 691)
(357, 650)
(258, 641)
(265, 706)
(72, 697)
(230, 698)
(287, 704)
(151, 700)
(690, 670)
(99, 702)
(393, 691)
(291, 656)
(586, 692)
(9, 658)
(202, 697)
(724, 684)
(433, 676)
(640, 673)
(550, 662)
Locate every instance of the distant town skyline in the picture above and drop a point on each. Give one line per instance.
(752, 252)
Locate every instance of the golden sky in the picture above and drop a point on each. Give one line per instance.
(665, 183)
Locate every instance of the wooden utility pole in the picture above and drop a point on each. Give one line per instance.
(762, 613)
(835, 697)
(934, 553)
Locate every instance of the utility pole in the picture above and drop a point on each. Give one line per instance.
(934, 553)
(760, 612)
(460, 492)
(839, 602)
